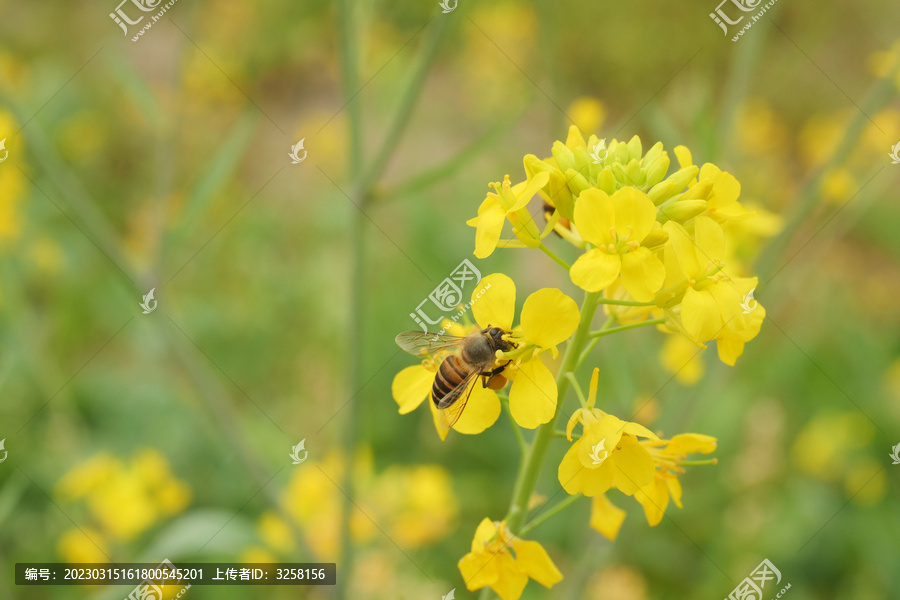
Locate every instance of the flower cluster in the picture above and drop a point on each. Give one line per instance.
(653, 249)
(123, 499)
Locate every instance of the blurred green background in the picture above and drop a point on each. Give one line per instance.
(163, 164)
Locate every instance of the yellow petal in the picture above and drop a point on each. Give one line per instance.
(606, 517)
(478, 570)
(729, 350)
(481, 411)
(534, 560)
(634, 467)
(411, 386)
(532, 397)
(594, 215)
(549, 317)
(654, 497)
(709, 237)
(607, 431)
(633, 208)
(494, 301)
(642, 274)
(488, 226)
(674, 489)
(687, 443)
(483, 534)
(683, 154)
(595, 270)
(511, 579)
(700, 315)
(526, 190)
(574, 478)
(685, 250)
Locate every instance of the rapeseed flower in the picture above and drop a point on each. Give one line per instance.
(505, 563)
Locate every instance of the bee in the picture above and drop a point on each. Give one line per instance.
(473, 355)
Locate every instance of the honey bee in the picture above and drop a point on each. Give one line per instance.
(473, 355)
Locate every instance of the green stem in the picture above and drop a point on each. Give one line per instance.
(624, 302)
(534, 460)
(350, 77)
(555, 258)
(561, 506)
(571, 377)
(523, 446)
(602, 332)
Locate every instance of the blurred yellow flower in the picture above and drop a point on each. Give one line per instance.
(678, 356)
(125, 499)
(414, 505)
(824, 447)
(587, 113)
(504, 562)
(84, 545)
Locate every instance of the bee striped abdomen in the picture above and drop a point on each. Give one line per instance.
(450, 374)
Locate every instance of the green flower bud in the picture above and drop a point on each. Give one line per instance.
(681, 210)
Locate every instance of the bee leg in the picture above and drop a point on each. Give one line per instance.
(486, 377)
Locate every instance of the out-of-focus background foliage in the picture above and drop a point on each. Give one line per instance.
(163, 164)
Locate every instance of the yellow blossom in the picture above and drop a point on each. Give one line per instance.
(504, 562)
(507, 202)
(608, 454)
(606, 517)
(668, 456)
(621, 227)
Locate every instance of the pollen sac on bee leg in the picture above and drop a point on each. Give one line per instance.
(497, 382)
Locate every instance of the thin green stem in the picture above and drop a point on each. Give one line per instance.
(624, 302)
(517, 431)
(878, 95)
(571, 377)
(550, 513)
(648, 323)
(555, 258)
(590, 347)
(534, 460)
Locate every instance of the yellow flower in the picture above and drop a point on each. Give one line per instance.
(508, 202)
(668, 455)
(621, 227)
(504, 562)
(607, 455)
(548, 318)
(711, 298)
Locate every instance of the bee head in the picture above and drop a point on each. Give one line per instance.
(496, 334)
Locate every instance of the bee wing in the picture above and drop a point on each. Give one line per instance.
(418, 343)
(451, 407)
